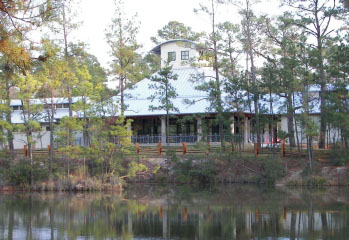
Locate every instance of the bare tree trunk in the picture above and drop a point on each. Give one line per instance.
(30, 152)
(296, 129)
(52, 117)
(253, 72)
(310, 152)
(121, 85)
(218, 83)
(8, 113)
(290, 121)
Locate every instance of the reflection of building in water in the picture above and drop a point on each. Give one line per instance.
(72, 220)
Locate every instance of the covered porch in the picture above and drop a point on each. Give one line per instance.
(188, 128)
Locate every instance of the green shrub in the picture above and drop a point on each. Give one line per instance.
(186, 170)
(162, 178)
(204, 172)
(273, 168)
(316, 181)
(18, 174)
(182, 179)
(339, 157)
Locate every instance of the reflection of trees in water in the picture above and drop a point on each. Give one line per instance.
(235, 213)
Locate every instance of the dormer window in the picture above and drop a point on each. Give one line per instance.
(184, 55)
(171, 56)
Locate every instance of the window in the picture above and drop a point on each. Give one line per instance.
(59, 105)
(65, 105)
(171, 56)
(16, 108)
(185, 55)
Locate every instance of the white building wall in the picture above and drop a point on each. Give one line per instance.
(41, 139)
(333, 135)
(178, 47)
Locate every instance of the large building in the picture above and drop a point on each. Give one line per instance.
(194, 118)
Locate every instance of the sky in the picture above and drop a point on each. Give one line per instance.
(153, 15)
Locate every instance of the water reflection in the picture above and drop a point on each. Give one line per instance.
(226, 212)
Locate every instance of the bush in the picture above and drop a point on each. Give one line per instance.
(316, 181)
(18, 174)
(187, 170)
(339, 157)
(273, 168)
(182, 179)
(162, 178)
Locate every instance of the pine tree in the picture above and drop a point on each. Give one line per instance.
(164, 94)
(315, 17)
(121, 37)
(212, 49)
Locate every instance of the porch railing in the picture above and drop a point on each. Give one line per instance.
(151, 139)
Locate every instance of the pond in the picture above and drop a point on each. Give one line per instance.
(154, 212)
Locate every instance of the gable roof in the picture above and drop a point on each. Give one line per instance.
(157, 49)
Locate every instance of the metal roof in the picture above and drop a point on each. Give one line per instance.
(138, 99)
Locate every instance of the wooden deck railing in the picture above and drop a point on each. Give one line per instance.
(204, 149)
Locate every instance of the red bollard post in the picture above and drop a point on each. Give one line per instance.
(283, 149)
(159, 148)
(184, 148)
(137, 148)
(25, 150)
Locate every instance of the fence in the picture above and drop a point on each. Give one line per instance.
(206, 149)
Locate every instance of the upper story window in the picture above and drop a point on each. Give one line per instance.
(16, 108)
(62, 105)
(184, 55)
(59, 105)
(171, 56)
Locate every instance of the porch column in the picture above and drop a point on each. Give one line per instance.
(163, 129)
(232, 125)
(246, 130)
(199, 128)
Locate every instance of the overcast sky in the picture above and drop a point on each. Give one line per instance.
(152, 14)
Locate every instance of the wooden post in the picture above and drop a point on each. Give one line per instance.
(256, 149)
(232, 146)
(25, 150)
(284, 215)
(48, 149)
(184, 148)
(160, 213)
(208, 148)
(283, 149)
(185, 214)
(6, 147)
(159, 148)
(137, 148)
